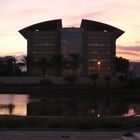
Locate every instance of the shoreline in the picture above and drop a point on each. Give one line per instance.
(66, 123)
(69, 90)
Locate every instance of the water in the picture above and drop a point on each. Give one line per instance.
(16, 104)
(13, 104)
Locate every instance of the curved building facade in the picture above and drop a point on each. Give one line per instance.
(94, 43)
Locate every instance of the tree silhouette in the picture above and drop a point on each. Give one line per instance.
(70, 79)
(57, 61)
(74, 62)
(107, 78)
(9, 66)
(122, 64)
(29, 63)
(94, 77)
(122, 79)
(44, 64)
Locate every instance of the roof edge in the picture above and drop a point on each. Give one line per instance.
(95, 25)
(46, 25)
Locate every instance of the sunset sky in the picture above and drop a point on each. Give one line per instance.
(18, 14)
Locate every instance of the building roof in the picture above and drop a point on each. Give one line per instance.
(98, 26)
(88, 25)
(42, 26)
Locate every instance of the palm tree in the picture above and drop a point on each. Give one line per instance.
(58, 61)
(44, 64)
(28, 61)
(122, 79)
(94, 77)
(74, 62)
(107, 78)
(22, 63)
(10, 62)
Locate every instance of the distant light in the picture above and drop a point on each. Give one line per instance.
(105, 31)
(108, 68)
(65, 41)
(36, 30)
(130, 112)
(92, 111)
(98, 115)
(99, 62)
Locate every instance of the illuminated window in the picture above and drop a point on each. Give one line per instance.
(92, 60)
(98, 44)
(40, 52)
(108, 68)
(44, 37)
(98, 115)
(94, 52)
(47, 44)
(91, 68)
(91, 111)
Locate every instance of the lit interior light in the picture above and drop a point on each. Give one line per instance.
(98, 115)
(99, 62)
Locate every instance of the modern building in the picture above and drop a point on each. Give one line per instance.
(134, 68)
(94, 42)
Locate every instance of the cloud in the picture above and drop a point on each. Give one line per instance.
(93, 14)
(14, 53)
(30, 12)
(128, 53)
(76, 17)
(18, 53)
(138, 42)
(129, 48)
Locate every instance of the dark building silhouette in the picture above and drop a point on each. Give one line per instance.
(95, 42)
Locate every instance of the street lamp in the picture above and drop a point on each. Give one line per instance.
(13, 68)
(99, 64)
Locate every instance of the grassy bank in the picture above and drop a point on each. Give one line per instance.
(76, 123)
(68, 90)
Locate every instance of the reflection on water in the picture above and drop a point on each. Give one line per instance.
(130, 112)
(16, 104)
(13, 104)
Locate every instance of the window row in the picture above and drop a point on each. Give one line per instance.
(44, 44)
(40, 52)
(98, 44)
(93, 60)
(96, 68)
(100, 52)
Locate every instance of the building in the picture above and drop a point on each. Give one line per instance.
(94, 42)
(134, 68)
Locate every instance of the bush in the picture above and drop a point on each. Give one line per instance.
(45, 82)
(70, 79)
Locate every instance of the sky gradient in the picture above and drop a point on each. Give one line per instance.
(18, 14)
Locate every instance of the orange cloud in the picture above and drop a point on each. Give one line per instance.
(132, 52)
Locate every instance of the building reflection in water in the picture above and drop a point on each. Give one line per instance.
(13, 104)
(131, 111)
(16, 104)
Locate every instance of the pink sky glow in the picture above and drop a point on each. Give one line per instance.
(18, 14)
